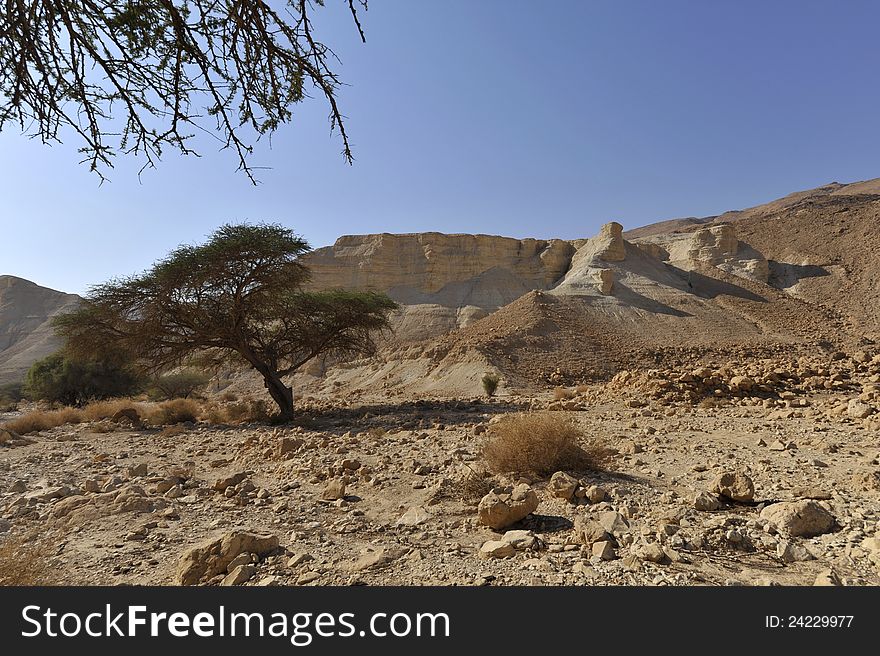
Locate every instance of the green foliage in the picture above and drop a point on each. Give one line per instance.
(61, 379)
(178, 384)
(10, 395)
(238, 296)
(490, 383)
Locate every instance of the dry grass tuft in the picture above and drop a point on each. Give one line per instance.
(25, 561)
(98, 410)
(40, 420)
(539, 443)
(563, 394)
(245, 411)
(175, 411)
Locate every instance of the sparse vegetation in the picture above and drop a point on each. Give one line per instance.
(40, 420)
(178, 385)
(538, 443)
(176, 411)
(238, 297)
(490, 383)
(25, 561)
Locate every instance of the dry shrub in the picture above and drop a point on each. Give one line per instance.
(229, 397)
(472, 487)
(245, 411)
(582, 389)
(98, 410)
(40, 420)
(539, 443)
(562, 394)
(175, 411)
(25, 560)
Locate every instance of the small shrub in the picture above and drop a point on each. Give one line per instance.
(229, 397)
(246, 411)
(538, 443)
(10, 395)
(98, 410)
(178, 385)
(176, 411)
(40, 420)
(25, 561)
(490, 383)
(582, 389)
(562, 394)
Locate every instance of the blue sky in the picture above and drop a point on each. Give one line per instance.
(500, 117)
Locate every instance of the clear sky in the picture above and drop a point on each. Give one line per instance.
(527, 119)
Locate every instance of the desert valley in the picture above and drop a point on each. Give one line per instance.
(721, 375)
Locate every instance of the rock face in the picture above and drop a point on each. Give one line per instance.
(214, 556)
(441, 281)
(26, 334)
(500, 510)
(805, 518)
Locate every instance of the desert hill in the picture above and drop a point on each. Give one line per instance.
(795, 275)
(26, 335)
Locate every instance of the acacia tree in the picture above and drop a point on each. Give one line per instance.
(241, 294)
(138, 75)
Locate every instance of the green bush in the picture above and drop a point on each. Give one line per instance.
(490, 384)
(178, 385)
(64, 380)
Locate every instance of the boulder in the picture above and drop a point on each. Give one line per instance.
(735, 486)
(500, 510)
(804, 518)
(212, 557)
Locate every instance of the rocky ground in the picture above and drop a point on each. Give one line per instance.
(777, 484)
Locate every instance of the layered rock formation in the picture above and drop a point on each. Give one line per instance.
(442, 281)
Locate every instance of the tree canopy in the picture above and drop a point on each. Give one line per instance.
(240, 294)
(137, 76)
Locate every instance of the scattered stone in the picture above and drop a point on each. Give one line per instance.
(858, 409)
(792, 552)
(414, 516)
(562, 486)
(595, 494)
(221, 484)
(239, 575)
(496, 549)
(614, 523)
(827, 577)
(604, 550)
(213, 557)
(520, 540)
(735, 486)
(500, 510)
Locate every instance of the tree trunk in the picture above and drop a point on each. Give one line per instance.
(281, 394)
